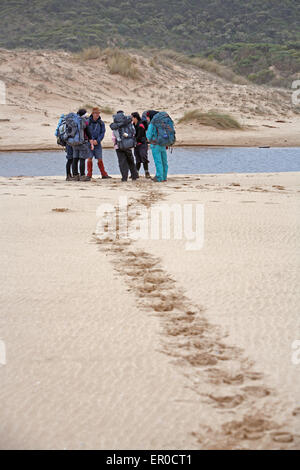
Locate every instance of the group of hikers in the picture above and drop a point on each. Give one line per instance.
(82, 138)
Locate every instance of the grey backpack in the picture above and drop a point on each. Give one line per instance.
(124, 131)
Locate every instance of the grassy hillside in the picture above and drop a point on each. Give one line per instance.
(190, 26)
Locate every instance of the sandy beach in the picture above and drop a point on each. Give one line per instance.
(142, 344)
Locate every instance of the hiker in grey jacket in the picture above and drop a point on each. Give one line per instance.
(82, 152)
(125, 157)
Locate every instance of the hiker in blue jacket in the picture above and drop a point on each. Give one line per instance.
(159, 153)
(97, 130)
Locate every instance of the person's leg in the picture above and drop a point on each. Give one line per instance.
(90, 167)
(99, 156)
(123, 164)
(82, 166)
(131, 165)
(164, 157)
(69, 156)
(68, 168)
(89, 164)
(157, 157)
(75, 163)
(138, 161)
(102, 168)
(144, 159)
(75, 166)
(84, 154)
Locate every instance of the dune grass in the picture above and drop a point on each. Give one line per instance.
(212, 119)
(121, 63)
(106, 110)
(90, 53)
(210, 66)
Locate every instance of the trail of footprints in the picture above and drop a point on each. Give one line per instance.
(200, 348)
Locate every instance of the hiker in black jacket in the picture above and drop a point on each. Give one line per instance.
(141, 149)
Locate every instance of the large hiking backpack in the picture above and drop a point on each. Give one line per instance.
(166, 135)
(60, 129)
(124, 131)
(70, 131)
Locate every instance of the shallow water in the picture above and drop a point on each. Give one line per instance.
(194, 160)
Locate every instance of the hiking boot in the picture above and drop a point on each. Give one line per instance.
(75, 178)
(106, 177)
(147, 175)
(69, 178)
(85, 178)
(155, 180)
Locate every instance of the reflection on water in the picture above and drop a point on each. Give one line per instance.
(182, 161)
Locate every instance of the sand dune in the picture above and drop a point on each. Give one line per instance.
(43, 84)
(145, 345)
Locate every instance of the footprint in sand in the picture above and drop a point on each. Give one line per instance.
(282, 437)
(227, 401)
(296, 412)
(259, 392)
(196, 344)
(61, 210)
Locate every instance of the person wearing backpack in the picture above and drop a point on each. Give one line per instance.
(97, 130)
(81, 152)
(141, 148)
(72, 131)
(161, 135)
(124, 141)
(68, 149)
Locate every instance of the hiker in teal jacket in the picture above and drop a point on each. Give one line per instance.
(159, 153)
